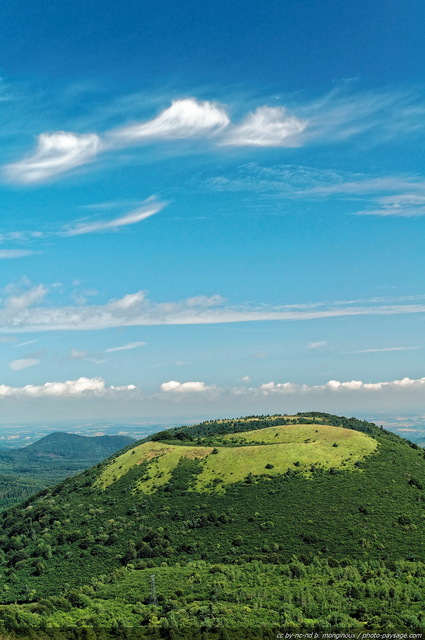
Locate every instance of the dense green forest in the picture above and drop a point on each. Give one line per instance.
(338, 544)
(238, 600)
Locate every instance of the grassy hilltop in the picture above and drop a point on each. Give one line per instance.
(236, 456)
(312, 507)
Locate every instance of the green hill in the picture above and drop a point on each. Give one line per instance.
(68, 445)
(311, 494)
(26, 470)
(302, 446)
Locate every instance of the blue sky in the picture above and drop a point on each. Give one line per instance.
(211, 209)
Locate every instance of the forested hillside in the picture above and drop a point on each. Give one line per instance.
(25, 471)
(313, 522)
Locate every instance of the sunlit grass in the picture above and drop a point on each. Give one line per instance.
(269, 451)
(297, 446)
(163, 458)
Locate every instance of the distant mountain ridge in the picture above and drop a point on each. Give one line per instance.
(69, 445)
(26, 470)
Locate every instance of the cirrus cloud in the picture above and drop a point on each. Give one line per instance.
(136, 309)
(186, 118)
(317, 345)
(12, 254)
(333, 118)
(126, 347)
(23, 363)
(267, 127)
(149, 208)
(55, 153)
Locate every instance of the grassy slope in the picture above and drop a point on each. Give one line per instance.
(298, 433)
(161, 458)
(301, 445)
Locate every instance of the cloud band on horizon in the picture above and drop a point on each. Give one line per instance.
(97, 387)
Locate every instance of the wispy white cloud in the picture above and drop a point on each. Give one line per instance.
(18, 303)
(287, 179)
(19, 312)
(391, 195)
(82, 354)
(78, 354)
(386, 349)
(401, 205)
(406, 199)
(186, 118)
(404, 195)
(301, 181)
(360, 184)
(393, 212)
(23, 363)
(55, 153)
(150, 207)
(26, 343)
(334, 118)
(20, 236)
(12, 254)
(317, 345)
(144, 210)
(113, 204)
(266, 127)
(344, 114)
(338, 116)
(125, 347)
(70, 388)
